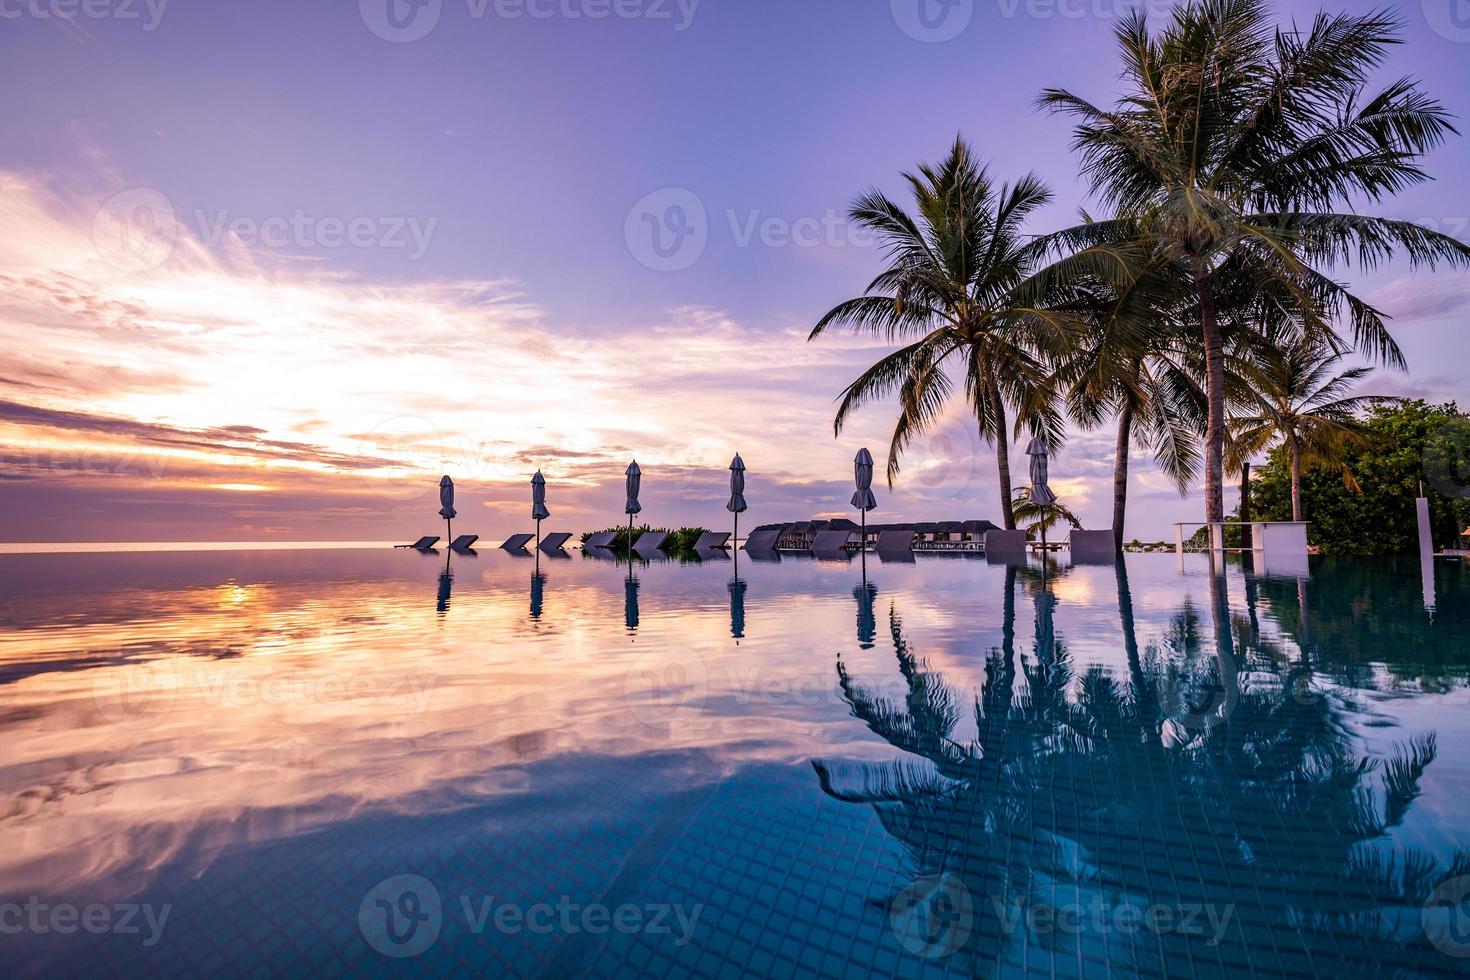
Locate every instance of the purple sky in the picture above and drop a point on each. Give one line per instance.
(500, 171)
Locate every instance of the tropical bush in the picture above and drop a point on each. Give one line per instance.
(1409, 445)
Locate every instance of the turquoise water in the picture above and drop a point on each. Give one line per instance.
(370, 761)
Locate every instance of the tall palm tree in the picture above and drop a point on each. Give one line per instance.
(966, 291)
(1303, 404)
(1132, 367)
(1240, 150)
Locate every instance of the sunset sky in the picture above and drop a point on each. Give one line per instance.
(268, 269)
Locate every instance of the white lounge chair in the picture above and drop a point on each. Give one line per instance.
(424, 543)
(517, 542)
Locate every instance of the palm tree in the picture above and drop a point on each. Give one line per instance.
(966, 291)
(1239, 151)
(1132, 367)
(1042, 517)
(1299, 401)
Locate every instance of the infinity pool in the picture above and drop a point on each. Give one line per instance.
(370, 761)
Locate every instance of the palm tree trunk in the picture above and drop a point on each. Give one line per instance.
(1245, 505)
(1120, 471)
(1215, 388)
(1002, 458)
(1296, 482)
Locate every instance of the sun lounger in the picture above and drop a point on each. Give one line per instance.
(602, 539)
(712, 539)
(763, 540)
(895, 542)
(464, 542)
(554, 542)
(832, 543)
(650, 543)
(422, 544)
(606, 554)
(517, 542)
(1093, 547)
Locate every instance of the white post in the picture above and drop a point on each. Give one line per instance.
(1426, 553)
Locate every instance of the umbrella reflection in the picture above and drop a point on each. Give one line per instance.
(446, 583)
(867, 622)
(630, 602)
(538, 587)
(737, 608)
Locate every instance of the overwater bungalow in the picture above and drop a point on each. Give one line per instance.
(927, 535)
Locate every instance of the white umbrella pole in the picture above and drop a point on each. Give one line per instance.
(538, 534)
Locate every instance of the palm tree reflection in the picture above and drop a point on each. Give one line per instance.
(1116, 787)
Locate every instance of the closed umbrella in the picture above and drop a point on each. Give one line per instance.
(862, 498)
(635, 479)
(446, 505)
(538, 504)
(736, 505)
(1041, 494)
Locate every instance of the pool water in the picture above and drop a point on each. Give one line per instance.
(328, 762)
